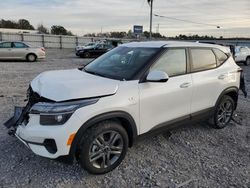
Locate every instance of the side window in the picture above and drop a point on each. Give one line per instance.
(173, 62)
(221, 56)
(202, 59)
(243, 49)
(20, 45)
(5, 45)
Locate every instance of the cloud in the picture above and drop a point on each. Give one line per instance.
(83, 16)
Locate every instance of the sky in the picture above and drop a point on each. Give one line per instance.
(88, 16)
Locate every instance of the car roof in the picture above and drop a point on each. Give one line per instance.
(165, 44)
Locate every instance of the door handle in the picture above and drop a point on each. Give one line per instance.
(222, 76)
(185, 85)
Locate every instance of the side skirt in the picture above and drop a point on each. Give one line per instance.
(176, 123)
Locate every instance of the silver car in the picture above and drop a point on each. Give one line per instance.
(20, 51)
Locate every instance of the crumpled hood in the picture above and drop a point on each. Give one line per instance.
(65, 85)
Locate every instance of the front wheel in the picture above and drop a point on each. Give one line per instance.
(247, 62)
(103, 147)
(223, 112)
(86, 55)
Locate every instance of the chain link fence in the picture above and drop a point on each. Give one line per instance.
(52, 41)
(58, 41)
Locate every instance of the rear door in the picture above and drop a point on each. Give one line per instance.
(6, 50)
(20, 50)
(207, 78)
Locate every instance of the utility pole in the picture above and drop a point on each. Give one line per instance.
(151, 17)
(158, 28)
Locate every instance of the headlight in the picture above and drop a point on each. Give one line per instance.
(58, 113)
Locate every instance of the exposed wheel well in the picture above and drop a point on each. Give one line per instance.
(233, 93)
(127, 126)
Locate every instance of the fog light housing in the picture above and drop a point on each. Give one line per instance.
(50, 145)
(59, 118)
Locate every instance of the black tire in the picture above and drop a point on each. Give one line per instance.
(247, 62)
(223, 112)
(31, 57)
(86, 55)
(91, 144)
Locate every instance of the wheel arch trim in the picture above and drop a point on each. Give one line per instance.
(226, 91)
(102, 117)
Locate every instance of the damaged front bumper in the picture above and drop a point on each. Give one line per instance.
(26, 127)
(20, 116)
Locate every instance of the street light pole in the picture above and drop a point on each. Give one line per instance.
(151, 18)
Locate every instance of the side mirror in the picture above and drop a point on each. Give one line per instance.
(157, 76)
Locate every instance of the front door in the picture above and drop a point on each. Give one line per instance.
(168, 101)
(6, 50)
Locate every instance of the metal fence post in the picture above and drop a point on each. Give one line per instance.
(77, 42)
(61, 42)
(22, 37)
(43, 41)
(1, 36)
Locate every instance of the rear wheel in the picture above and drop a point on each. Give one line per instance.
(31, 57)
(86, 55)
(247, 62)
(223, 112)
(103, 147)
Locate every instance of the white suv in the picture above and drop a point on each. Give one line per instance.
(242, 54)
(93, 114)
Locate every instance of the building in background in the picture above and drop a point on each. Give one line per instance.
(5, 30)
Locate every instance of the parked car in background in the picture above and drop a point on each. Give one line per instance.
(20, 51)
(242, 55)
(98, 111)
(79, 47)
(94, 51)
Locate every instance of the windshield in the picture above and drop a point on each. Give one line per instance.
(122, 63)
(90, 44)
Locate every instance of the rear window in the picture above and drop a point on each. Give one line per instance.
(221, 56)
(202, 59)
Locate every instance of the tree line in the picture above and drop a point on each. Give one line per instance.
(124, 34)
(25, 24)
(60, 30)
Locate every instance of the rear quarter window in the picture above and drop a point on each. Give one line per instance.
(221, 56)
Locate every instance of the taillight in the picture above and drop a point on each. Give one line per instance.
(43, 49)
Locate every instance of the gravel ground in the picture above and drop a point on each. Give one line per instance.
(193, 156)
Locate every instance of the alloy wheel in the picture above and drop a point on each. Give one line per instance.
(225, 112)
(106, 149)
